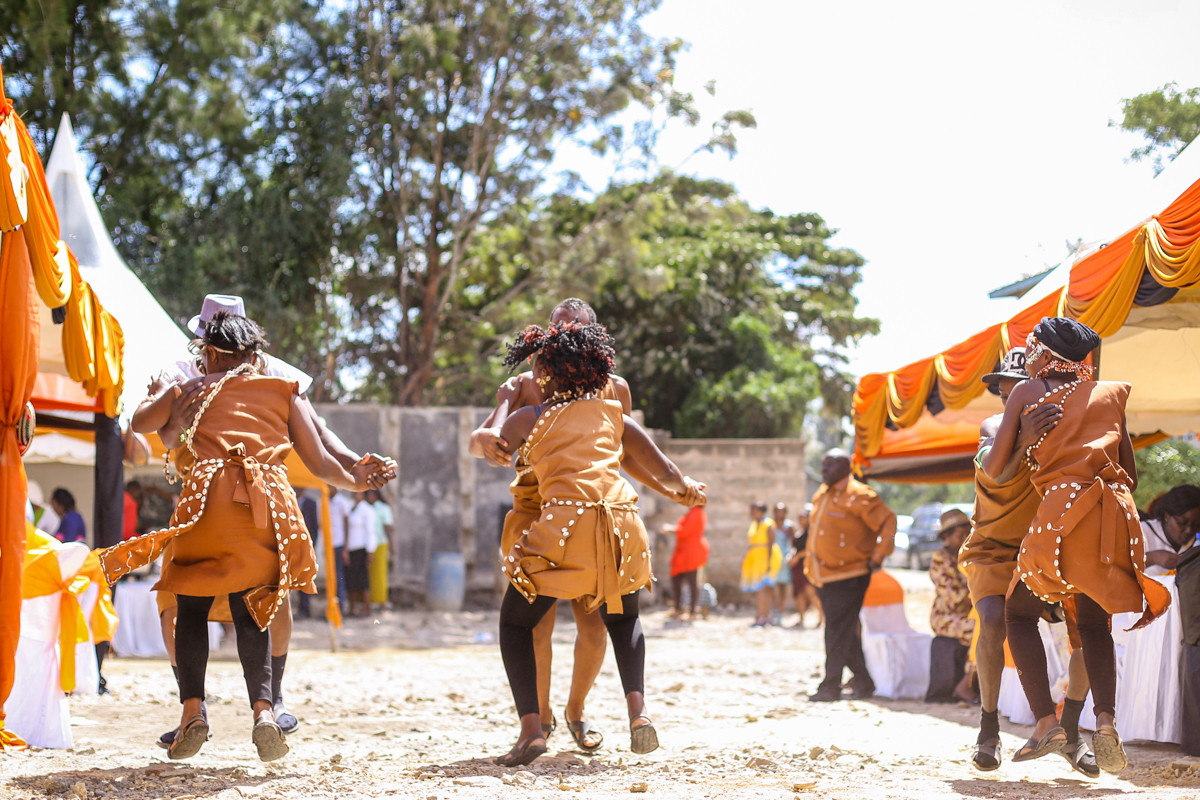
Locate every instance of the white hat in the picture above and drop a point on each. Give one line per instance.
(213, 303)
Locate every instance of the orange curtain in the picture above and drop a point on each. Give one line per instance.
(47, 253)
(13, 174)
(19, 332)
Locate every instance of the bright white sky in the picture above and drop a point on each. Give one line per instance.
(957, 146)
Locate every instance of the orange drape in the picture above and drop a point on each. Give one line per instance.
(47, 253)
(19, 332)
(333, 609)
(1100, 294)
(13, 174)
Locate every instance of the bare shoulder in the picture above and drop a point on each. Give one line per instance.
(1025, 393)
(620, 389)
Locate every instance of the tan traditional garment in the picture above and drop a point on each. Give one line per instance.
(588, 542)
(527, 499)
(237, 525)
(1086, 537)
(1002, 515)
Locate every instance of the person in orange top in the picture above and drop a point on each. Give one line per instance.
(851, 532)
(133, 501)
(690, 554)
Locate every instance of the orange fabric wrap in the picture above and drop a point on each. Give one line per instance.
(884, 590)
(47, 253)
(13, 173)
(19, 332)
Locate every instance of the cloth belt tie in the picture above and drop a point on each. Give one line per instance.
(1102, 492)
(42, 576)
(252, 491)
(607, 542)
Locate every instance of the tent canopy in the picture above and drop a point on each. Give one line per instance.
(152, 339)
(1140, 291)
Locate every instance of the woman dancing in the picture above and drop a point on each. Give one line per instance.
(1085, 541)
(237, 528)
(523, 391)
(588, 542)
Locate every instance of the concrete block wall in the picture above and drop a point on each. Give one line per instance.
(738, 472)
(445, 500)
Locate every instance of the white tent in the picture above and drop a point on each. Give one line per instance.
(152, 339)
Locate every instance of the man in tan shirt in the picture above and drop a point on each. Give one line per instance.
(851, 531)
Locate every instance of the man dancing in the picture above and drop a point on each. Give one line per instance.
(1004, 508)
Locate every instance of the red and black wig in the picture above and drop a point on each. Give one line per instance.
(579, 357)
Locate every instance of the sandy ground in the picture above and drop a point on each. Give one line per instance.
(415, 705)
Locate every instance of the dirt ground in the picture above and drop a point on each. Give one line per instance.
(415, 705)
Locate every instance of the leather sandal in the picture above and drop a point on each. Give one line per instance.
(644, 739)
(1081, 759)
(189, 739)
(548, 729)
(1110, 754)
(580, 730)
(1052, 742)
(527, 754)
(987, 756)
(268, 737)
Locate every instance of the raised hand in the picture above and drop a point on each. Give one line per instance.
(1035, 424)
(494, 447)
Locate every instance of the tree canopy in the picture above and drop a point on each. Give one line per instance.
(374, 177)
(1168, 117)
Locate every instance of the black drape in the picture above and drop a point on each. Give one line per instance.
(108, 514)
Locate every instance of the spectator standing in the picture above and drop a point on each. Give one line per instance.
(44, 518)
(851, 533)
(382, 560)
(761, 563)
(689, 556)
(133, 503)
(804, 594)
(340, 506)
(359, 548)
(950, 617)
(785, 531)
(72, 527)
(310, 510)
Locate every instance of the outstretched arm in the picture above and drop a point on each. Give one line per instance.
(642, 449)
(307, 441)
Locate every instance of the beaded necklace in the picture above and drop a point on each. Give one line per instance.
(1070, 387)
(190, 433)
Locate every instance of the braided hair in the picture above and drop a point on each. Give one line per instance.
(235, 334)
(579, 357)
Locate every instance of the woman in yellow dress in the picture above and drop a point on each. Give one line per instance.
(588, 542)
(763, 561)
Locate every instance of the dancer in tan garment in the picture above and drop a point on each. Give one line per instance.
(523, 391)
(237, 529)
(1085, 542)
(588, 542)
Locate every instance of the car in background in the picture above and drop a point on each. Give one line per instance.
(899, 556)
(922, 536)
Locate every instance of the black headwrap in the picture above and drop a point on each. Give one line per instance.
(1067, 337)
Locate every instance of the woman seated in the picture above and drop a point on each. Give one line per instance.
(1170, 527)
(589, 542)
(1085, 541)
(237, 528)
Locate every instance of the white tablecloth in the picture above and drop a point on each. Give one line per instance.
(897, 656)
(139, 632)
(1148, 691)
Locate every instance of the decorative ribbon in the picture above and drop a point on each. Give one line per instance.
(42, 576)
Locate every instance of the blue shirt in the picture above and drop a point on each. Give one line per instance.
(72, 528)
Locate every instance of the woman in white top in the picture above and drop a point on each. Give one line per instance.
(1170, 525)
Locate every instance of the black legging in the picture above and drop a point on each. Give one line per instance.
(518, 618)
(678, 582)
(191, 647)
(1021, 614)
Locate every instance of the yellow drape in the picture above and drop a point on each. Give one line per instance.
(47, 253)
(104, 615)
(42, 577)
